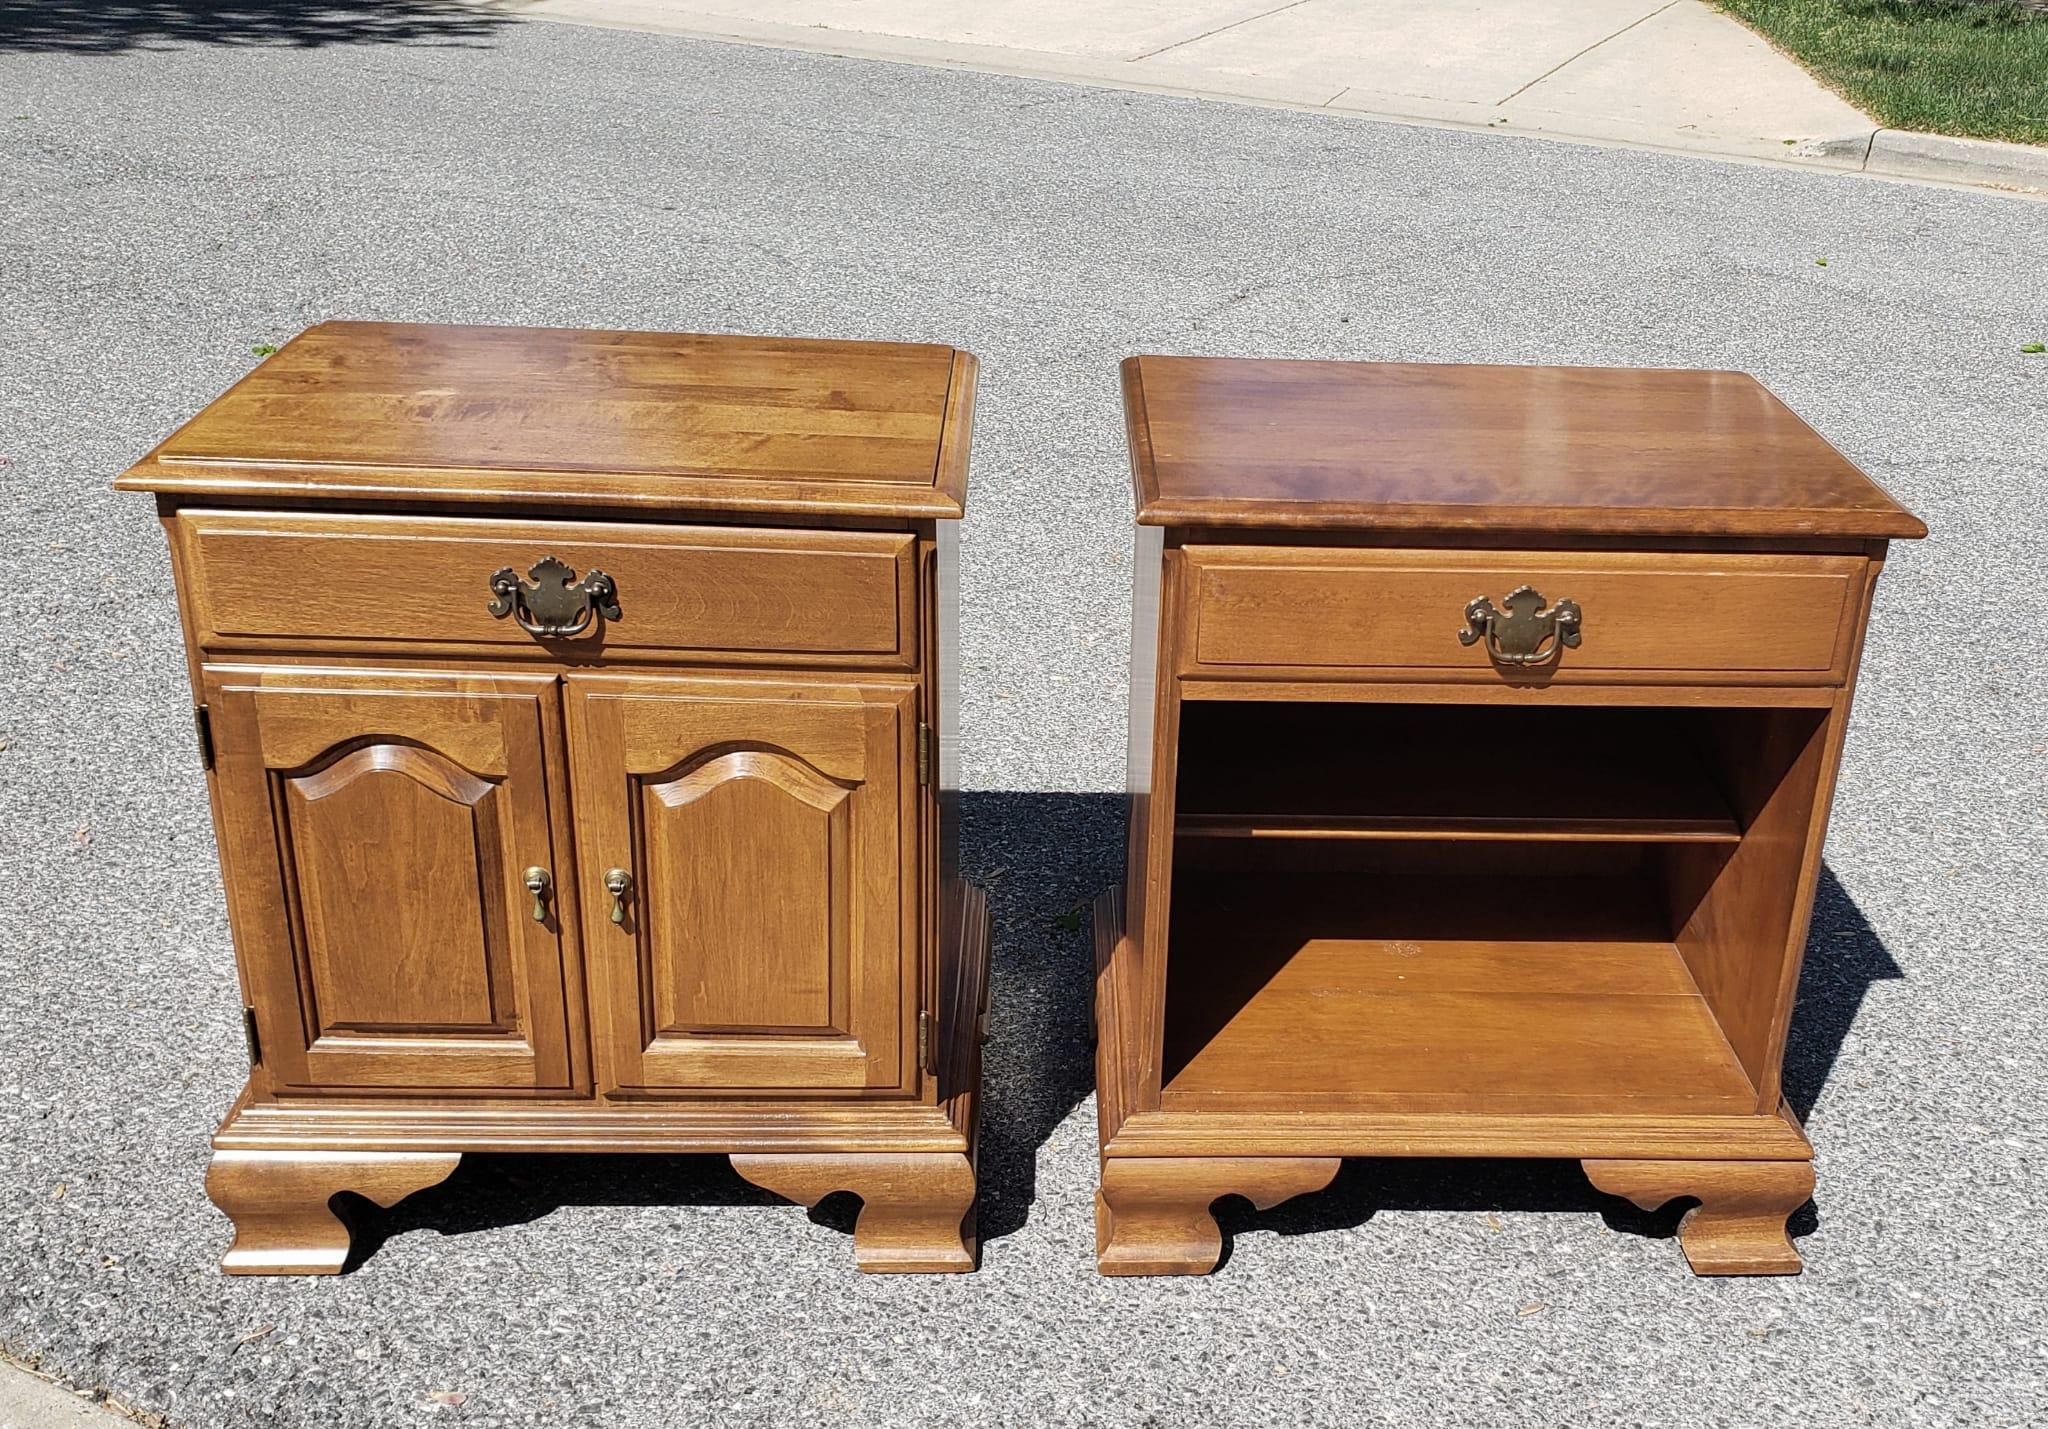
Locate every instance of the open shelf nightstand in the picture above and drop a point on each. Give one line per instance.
(1484, 724)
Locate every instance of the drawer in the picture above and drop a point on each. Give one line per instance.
(335, 583)
(1663, 617)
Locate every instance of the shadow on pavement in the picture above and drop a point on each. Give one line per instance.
(1364, 1188)
(91, 27)
(487, 1192)
(1042, 858)
(1843, 958)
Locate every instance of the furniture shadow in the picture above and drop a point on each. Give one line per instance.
(106, 27)
(1042, 859)
(1844, 956)
(492, 1191)
(1366, 1186)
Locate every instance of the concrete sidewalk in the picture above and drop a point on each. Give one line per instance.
(28, 1401)
(1660, 74)
(1668, 73)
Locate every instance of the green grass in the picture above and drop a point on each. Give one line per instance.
(1944, 66)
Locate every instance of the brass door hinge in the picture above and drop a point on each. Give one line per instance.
(202, 721)
(924, 754)
(253, 1038)
(924, 1041)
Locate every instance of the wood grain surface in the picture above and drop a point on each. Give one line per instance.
(1738, 1227)
(281, 1202)
(1657, 616)
(1410, 447)
(767, 826)
(417, 585)
(376, 830)
(467, 415)
(1557, 994)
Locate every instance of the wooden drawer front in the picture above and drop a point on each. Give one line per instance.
(340, 583)
(1662, 616)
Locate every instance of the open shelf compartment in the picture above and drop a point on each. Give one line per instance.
(1479, 909)
(1447, 996)
(1281, 770)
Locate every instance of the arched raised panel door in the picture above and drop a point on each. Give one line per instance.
(377, 832)
(766, 940)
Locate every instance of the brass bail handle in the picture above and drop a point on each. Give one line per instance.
(618, 883)
(1521, 630)
(537, 881)
(556, 605)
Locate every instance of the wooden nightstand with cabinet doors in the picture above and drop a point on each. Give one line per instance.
(1484, 722)
(577, 709)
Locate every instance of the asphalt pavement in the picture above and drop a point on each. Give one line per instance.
(172, 202)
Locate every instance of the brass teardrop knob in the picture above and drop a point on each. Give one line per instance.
(537, 880)
(618, 883)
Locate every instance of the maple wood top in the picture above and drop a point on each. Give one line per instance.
(415, 412)
(1553, 450)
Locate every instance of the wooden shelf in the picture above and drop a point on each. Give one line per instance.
(1469, 828)
(1479, 996)
(1296, 771)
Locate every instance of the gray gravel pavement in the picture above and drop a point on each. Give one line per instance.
(166, 207)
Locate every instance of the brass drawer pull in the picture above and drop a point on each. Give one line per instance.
(618, 883)
(537, 882)
(1524, 633)
(558, 603)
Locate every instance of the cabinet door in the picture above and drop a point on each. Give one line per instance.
(767, 940)
(376, 830)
